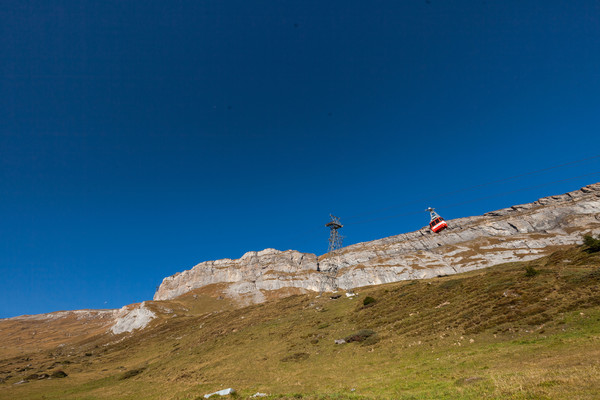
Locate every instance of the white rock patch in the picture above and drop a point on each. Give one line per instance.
(138, 318)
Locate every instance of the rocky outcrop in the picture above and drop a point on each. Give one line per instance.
(248, 276)
(128, 320)
(517, 233)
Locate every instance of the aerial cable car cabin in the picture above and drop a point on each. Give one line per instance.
(437, 223)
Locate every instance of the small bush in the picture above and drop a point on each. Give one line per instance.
(593, 245)
(368, 300)
(359, 336)
(371, 340)
(131, 373)
(530, 271)
(59, 374)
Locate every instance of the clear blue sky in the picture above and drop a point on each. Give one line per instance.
(138, 138)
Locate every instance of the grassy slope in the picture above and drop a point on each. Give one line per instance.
(492, 333)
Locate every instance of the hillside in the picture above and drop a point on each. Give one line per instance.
(455, 315)
(517, 330)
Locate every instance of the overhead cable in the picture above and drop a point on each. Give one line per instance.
(421, 200)
(476, 200)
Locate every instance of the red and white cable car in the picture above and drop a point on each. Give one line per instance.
(437, 223)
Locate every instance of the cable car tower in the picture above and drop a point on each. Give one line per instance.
(333, 253)
(437, 223)
(335, 239)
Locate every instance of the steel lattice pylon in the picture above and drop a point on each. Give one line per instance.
(335, 239)
(333, 254)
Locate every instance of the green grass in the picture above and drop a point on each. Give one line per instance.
(487, 334)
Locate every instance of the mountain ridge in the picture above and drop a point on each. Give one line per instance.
(517, 233)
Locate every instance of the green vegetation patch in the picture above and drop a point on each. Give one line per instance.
(530, 271)
(368, 300)
(592, 244)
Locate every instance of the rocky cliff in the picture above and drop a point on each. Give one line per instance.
(248, 277)
(518, 233)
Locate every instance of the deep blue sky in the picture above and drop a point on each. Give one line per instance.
(138, 138)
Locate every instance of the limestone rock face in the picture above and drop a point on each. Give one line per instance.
(249, 276)
(518, 233)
